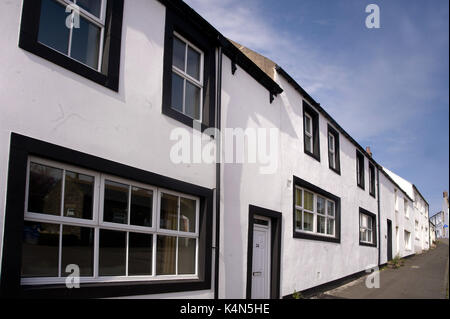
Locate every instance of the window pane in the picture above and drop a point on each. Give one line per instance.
(186, 255)
(298, 219)
(193, 63)
(53, 31)
(331, 160)
(330, 226)
(116, 203)
(330, 208)
(192, 103)
(165, 255)
(298, 197)
(78, 195)
(364, 221)
(308, 144)
(179, 53)
(321, 224)
(112, 253)
(331, 142)
(369, 236)
(320, 205)
(140, 247)
(44, 190)
(177, 92)
(40, 250)
(85, 43)
(78, 249)
(308, 200)
(307, 124)
(92, 6)
(309, 221)
(141, 207)
(169, 212)
(187, 215)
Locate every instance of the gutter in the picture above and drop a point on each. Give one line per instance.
(379, 216)
(218, 170)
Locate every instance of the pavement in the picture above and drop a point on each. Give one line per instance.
(423, 276)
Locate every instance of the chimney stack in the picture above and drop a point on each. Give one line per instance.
(445, 194)
(369, 151)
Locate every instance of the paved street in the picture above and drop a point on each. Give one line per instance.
(423, 276)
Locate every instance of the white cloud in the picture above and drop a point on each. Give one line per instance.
(358, 96)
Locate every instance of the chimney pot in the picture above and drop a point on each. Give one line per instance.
(369, 151)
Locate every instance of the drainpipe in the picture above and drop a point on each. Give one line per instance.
(218, 157)
(379, 216)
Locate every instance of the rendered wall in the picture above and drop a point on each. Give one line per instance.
(44, 101)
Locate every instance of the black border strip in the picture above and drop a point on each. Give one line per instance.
(307, 109)
(275, 253)
(362, 170)
(337, 150)
(20, 149)
(296, 234)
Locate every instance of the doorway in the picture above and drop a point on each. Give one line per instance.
(389, 240)
(263, 254)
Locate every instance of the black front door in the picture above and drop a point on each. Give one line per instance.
(389, 240)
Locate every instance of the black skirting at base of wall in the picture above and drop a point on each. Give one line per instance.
(314, 291)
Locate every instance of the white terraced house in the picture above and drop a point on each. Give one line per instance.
(91, 95)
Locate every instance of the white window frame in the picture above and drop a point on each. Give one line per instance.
(314, 213)
(187, 77)
(98, 224)
(99, 22)
(396, 200)
(406, 208)
(407, 239)
(332, 149)
(369, 229)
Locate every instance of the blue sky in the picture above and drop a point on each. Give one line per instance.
(387, 87)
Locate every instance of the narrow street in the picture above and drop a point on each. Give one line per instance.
(424, 276)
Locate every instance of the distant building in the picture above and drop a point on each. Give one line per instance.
(432, 233)
(440, 219)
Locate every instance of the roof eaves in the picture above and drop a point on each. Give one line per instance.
(229, 49)
(311, 100)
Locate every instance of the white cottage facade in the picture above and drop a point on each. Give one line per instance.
(89, 119)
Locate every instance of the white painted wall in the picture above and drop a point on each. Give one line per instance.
(304, 263)
(44, 101)
(400, 222)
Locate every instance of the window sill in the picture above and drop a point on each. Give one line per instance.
(314, 236)
(373, 195)
(315, 156)
(367, 244)
(180, 117)
(112, 289)
(336, 170)
(361, 186)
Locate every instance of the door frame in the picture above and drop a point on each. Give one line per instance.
(275, 249)
(389, 239)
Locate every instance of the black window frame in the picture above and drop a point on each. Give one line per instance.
(362, 167)
(372, 180)
(337, 156)
(307, 109)
(28, 40)
(374, 227)
(21, 147)
(337, 200)
(175, 24)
